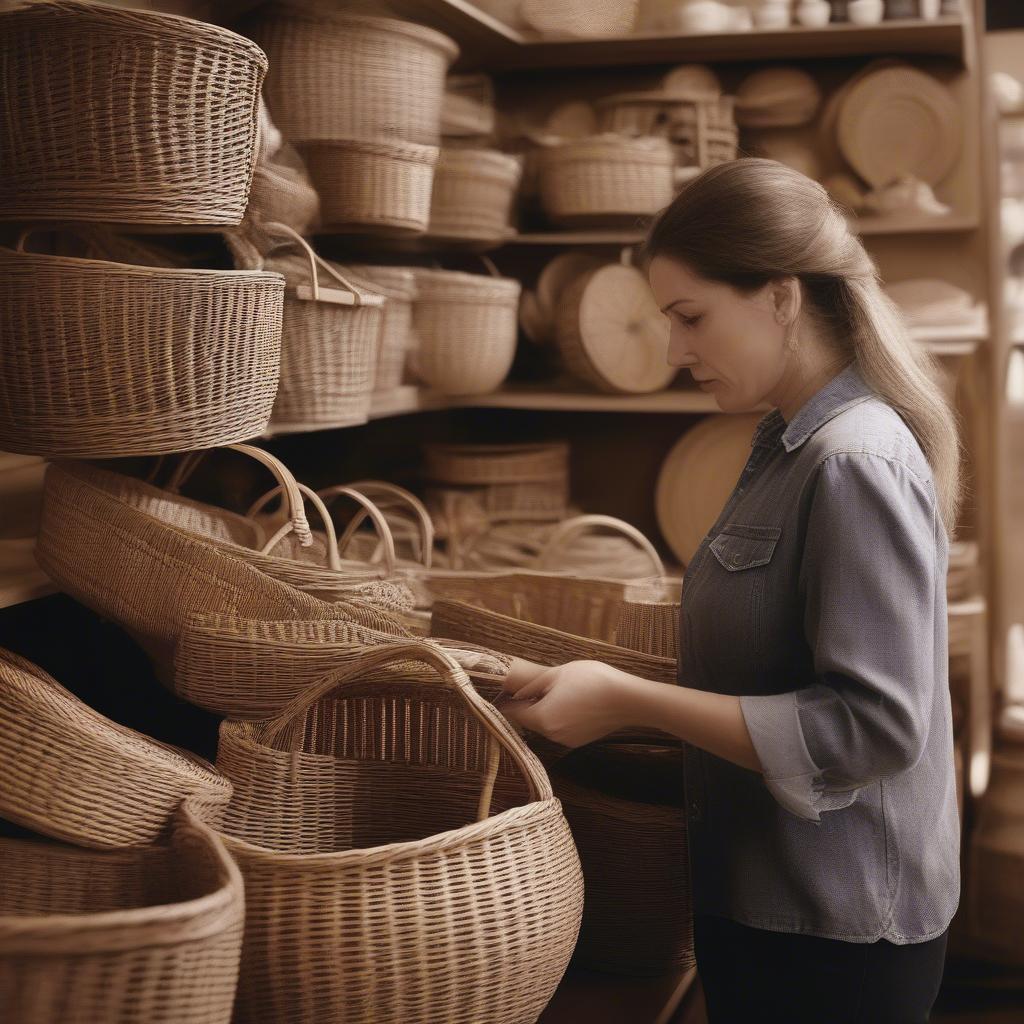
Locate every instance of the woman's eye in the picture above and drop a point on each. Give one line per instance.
(689, 321)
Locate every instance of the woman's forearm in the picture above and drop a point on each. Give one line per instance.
(712, 721)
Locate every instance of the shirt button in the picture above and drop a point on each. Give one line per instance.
(695, 810)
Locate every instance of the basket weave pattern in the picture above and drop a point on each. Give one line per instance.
(114, 115)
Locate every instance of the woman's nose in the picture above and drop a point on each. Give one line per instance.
(679, 353)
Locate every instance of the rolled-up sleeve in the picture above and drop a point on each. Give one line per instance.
(868, 578)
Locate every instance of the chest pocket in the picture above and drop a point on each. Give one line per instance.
(740, 547)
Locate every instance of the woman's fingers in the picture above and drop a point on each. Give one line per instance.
(521, 672)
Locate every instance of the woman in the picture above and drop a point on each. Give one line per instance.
(814, 704)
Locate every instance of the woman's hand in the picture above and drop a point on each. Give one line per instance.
(570, 704)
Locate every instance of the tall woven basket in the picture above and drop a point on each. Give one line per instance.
(343, 76)
(466, 325)
(166, 134)
(101, 359)
(151, 935)
(72, 774)
(404, 860)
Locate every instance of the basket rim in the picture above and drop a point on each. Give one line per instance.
(52, 928)
(612, 148)
(86, 263)
(422, 33)
(143, 22)
(398, 149)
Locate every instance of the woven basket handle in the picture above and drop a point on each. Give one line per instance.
(286, 482)
(407, 498)
(333, 557)
(571, 527)
(359, 296)
(501, 735)
(328, 494)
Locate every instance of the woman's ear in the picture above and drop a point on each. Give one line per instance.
(785, 298)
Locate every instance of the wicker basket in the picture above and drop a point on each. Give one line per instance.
(101, 359)
(649, 626)
(338, 77)
(606, 179)
(397, 337)
(72, 774)
(166, 134)
(466, 327)
(473, 195)
(467, 109)
(149, 576)
(283, 193)
(151, 935)
(701, 128)
(403, 858)
(380, 187)
(329, 343)
(496, 463)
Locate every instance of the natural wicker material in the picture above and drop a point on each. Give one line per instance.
(164, 134)
(397, 337)
(649, 626)
(328, 350)
(151, 935)
(637, 914)
(101, 359)
(341, 76)
(467, 109)
(466, 327)
(379, 187)
(149, 576)
(283, 193)
(496, 463)
(605, 178)
(473, 195)
(403, 858)
(72, 774)
(702, 128)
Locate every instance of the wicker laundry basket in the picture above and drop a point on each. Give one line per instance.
(403, 858)
(72, 774)
(473, 195)
(344, 76)
(373, 187)
(329, 343)
(101, 359)
(166, 134)
(466, 327)
(606, 179)
(397, 337)
(149, 576)
(150, 935)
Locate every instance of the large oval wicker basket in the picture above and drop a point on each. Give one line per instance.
(351, 76)
(151, 935)
(72, 774)
(466, 328)
(404, 861)
(101, 359)
(125, 116)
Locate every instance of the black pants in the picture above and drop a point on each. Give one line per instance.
(753, 976)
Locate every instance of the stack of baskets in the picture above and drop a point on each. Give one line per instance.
(360, 97)
(102, 358)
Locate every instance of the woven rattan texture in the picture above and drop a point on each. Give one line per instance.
(372, 893)
(115, 115)
(72, 774)
(105, 359)
(151, 935)
(473, 195)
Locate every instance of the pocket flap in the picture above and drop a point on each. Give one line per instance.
(743, 547)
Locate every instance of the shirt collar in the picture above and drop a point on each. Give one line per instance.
(846, 389)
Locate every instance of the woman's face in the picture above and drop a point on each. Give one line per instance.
(730, 341)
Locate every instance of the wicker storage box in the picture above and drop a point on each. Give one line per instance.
(403, 858)
(347, 76)
(72, 774)
(397, 336)
(165, 133)
(379, 187)
(701, 128)
(474, 194)
(606, 179)
(466, 328)
(328, 349)
(151, 935)
(101, 359)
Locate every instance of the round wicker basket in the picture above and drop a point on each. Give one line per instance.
(397, 337)
(125, 116)
(474, 192)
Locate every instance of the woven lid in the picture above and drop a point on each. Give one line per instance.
(457, 286)
(612, 148)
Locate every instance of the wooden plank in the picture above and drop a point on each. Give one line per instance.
(611, 999)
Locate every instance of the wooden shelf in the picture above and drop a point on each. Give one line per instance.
(612, 999)
(26, 587)
(568, 399)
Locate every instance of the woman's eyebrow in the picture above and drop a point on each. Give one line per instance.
(674, 302)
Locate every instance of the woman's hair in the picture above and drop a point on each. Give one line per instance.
(748, 222)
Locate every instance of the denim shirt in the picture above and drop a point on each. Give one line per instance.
(819, 598)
